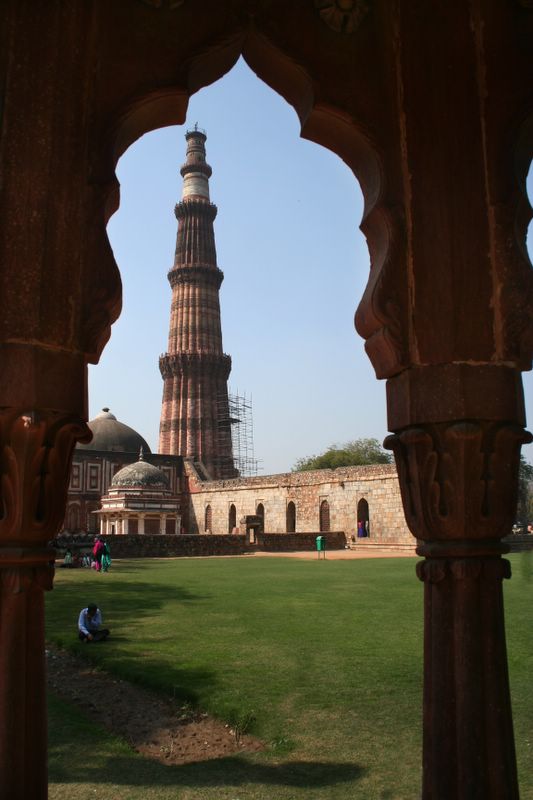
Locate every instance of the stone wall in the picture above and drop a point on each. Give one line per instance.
(159, 546)
(343, 488)
(287, 542)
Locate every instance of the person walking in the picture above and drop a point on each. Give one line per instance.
(105, 560)
(97, 553)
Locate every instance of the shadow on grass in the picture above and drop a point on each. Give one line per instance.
(122, 603)
(231, 771)
(76, 741)
(142, 669)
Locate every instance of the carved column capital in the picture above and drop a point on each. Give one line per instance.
(459, 479)
(35, 456)
(462, 569)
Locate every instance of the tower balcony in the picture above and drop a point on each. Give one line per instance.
(216, 365)
(196, 166)
(195, 207)
(199, 274)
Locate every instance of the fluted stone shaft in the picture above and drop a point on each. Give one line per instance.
(195, 370)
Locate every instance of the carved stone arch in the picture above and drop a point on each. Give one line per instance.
(381, 319)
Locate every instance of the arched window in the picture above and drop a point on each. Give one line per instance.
(208, 521)
(73, 518)
(260, 512)
(363, 519)
(232, 518)
(291, 518)
(324, 516)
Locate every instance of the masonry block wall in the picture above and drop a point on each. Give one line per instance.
(158, 546)
(342, 488)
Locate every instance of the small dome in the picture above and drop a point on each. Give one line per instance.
(113, 436)
(142, 475)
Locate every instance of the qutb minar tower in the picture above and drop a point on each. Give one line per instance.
(195, 415)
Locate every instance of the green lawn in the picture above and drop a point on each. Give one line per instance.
(325, 656)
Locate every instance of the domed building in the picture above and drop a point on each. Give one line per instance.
(112, 436)
(114, 447)
(140, 500)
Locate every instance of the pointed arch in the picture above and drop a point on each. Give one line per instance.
(363, 518)
(208, 519)
(324, 517)
(232, 518)
(290, 517)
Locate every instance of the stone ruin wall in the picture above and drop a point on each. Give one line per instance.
(343, 488)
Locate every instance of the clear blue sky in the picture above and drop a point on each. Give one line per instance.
(295, 266)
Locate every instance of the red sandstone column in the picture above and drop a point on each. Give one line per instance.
(458, 482)
(447, 318)
(35, 460)
(24, 575)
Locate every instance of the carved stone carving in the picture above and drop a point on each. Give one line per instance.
(35, 457)
(436, 570)
(342, 16)
(459, 479)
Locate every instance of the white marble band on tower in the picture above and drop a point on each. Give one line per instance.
(196, 172)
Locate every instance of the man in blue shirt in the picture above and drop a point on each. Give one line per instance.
(89, 623)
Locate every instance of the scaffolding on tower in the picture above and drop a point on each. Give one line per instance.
(240, 423)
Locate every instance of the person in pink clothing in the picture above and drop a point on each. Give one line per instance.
(98, 550)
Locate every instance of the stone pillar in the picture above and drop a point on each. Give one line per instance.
(141, 523)
(125, 522)
(24, 574)
(35, 460)
(447, 318)
(163, 524)
(458, 482)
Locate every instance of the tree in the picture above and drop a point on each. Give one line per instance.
(351, 454)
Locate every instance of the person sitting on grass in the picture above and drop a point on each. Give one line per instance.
(89, 622)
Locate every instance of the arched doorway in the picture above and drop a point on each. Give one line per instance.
(260, 512)
(324, 517)
(290, 522)
(208, 519)
(363, 519)
(232, 518)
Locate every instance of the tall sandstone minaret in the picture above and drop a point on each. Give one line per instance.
(195, 415)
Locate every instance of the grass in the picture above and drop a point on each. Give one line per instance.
(322, 660)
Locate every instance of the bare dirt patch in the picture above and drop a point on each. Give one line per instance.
(157, 727)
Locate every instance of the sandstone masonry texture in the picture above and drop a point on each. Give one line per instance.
(343, 488)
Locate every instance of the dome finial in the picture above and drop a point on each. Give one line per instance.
(141, 454)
